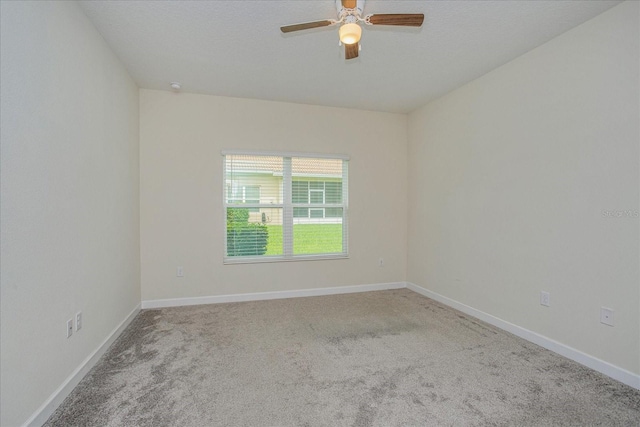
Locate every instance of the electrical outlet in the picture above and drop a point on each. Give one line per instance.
(69, 328)
(179, 272)
(545, 299)
(78, 321)
(380, 262)
(606, 316)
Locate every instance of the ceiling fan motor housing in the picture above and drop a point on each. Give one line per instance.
(350, 19)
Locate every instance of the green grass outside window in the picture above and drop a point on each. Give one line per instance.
(307, 239)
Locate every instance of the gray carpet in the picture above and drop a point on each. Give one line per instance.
(371, 359)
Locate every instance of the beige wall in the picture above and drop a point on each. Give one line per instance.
(510, 176)
(69, 208)
(182, 218)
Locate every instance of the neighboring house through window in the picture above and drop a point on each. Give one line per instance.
(320, 192)
(244, 194)
(285, 207)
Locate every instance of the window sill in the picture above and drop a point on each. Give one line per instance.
(271, 259)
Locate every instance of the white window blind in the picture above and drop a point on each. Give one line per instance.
(285, 207)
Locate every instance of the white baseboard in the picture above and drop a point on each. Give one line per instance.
(259, 296)
(51, 404)
(615, 372)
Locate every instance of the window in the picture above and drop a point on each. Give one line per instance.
(285, 207)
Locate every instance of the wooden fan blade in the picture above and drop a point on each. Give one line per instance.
(351, 51)
(405, 19)
(305, 26)
(349, 4)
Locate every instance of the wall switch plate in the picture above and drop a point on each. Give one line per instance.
(606, 316)
(78, 321)
(179, 272)
(545, 299)
(69, 327)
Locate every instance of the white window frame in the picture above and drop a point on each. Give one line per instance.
(287, 209)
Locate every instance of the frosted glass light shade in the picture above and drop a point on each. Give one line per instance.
(350, 33)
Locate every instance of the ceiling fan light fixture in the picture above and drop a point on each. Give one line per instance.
(350, 33)
(349, 18)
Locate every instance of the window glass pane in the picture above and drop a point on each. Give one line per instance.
(317, 168)
(316, 213)
(253, 179)
(228, 193)
(316, 185)
(239, 164)
(270, 216)
(316, 196)
(300, 191)
(274, 245)
(301, 212)
(248, 236)
(317, 239)
(333, 212)
(234, 195)
(333, 192)
(252, 194)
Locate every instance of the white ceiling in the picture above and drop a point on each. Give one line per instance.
(235, 48)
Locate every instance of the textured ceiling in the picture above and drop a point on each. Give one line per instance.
(235, 48)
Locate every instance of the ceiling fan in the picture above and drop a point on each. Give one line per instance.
(349, 16)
